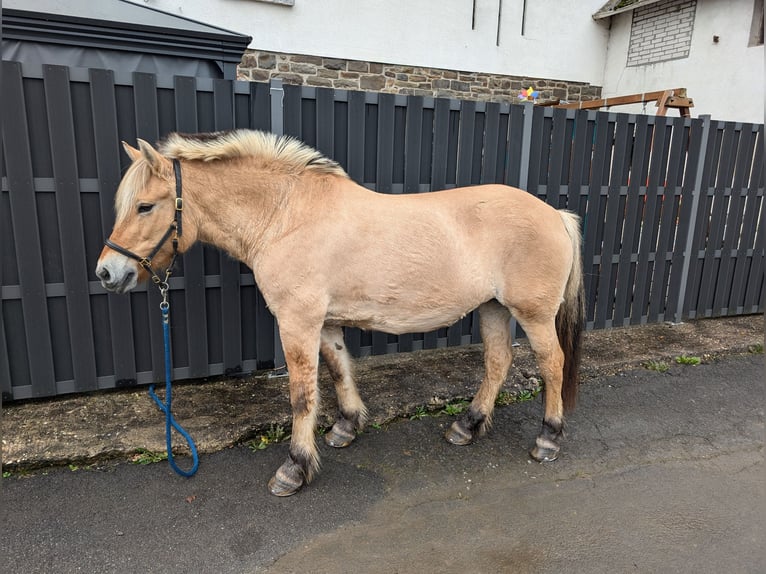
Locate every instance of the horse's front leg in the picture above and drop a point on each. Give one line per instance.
(301, 346)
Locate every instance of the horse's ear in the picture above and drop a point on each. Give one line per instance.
(132, 152)
(159, 165)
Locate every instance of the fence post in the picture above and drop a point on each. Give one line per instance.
(277, 97)
(526, 145)
(696, 192)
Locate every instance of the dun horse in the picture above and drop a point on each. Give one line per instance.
(328, 253)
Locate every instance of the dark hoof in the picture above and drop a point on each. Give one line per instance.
(541, 454)
(279, 487)
(338, 437)
(456, 434)
(287, 480)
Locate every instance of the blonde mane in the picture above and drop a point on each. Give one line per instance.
(284, 153)
(289, 152)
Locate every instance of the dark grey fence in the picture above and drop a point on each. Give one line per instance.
(671, 209)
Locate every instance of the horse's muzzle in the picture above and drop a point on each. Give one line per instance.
(117, 278)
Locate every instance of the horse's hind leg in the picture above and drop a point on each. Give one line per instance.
(494, 322)
(550, 359)
(352, 412)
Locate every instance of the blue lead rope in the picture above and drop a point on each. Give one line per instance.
(170, 421)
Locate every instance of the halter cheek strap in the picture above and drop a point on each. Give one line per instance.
(174, 230)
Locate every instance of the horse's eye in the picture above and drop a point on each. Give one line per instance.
(145, 208)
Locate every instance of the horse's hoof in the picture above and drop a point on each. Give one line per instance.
(337, 437)
(456, 434)
(541, 454)
(280, 487)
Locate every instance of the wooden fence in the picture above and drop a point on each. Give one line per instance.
(671, 209)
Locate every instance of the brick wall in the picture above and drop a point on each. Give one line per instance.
(661, 31)
(409, 80)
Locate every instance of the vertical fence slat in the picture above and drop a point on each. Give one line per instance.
(384, 179)
(193, 260)
(633, 210)
(28, 250)
(490, 145)
(231, 311)
(63, 150)
(107, 144)
(556, 166)
(745, 252)
(685, 252)
(355, 170)
(147, 128)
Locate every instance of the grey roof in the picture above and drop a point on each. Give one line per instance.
(117, 26)
(115, 12)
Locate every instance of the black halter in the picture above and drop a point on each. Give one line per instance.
(174, 231)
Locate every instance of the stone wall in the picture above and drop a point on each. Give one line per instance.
(409, 80)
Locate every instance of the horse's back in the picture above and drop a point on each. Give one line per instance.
(415, 262)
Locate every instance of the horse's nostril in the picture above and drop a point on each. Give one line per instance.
(103, 274)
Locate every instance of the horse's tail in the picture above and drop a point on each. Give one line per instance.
(571, 315)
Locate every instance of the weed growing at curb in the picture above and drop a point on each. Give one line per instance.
(420, 413)
(455, 408)
(659, 366)
(755, 349)
(276, 433)
(688, 360)
(144, 456)
(506, 398)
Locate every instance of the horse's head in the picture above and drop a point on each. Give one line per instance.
(147, 215)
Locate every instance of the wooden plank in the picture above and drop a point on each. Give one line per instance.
(593, 222)
(438, 174)
(108, 148)
(680, 283)
(605, 309)
(515, 135)
(185, 95)
(740, 164)
(752, 201)
(490, 146)
(260, 108)
(325, 121)
(384, 179)
(147, 128)
(664, 303)
(630, 99)
(355, 169)
(581, 158)
(538, 154)
(634, 207)
(231, 312)
(20, 179)
(292, 111)
(463, 178)
(71, 233)
(413, 141)
(720, 206)
(559, 139)
(440, 145)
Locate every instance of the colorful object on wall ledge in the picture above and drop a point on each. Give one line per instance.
(529, 94)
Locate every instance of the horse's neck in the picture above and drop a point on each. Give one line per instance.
(237, 214)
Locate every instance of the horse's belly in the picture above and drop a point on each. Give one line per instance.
(397, 320)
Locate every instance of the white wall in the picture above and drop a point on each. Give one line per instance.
(725, 80)
(561, 40)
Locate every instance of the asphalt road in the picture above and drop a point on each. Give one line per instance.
(658, 473)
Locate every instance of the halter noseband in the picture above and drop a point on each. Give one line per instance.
(174, 230)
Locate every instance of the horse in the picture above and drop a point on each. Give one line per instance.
(327, 253)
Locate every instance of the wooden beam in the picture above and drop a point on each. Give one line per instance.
(675, 98)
